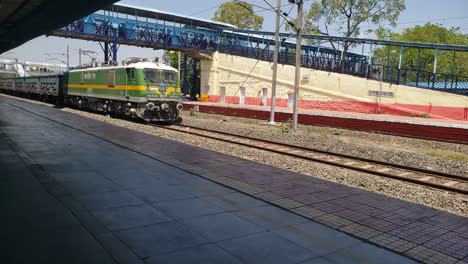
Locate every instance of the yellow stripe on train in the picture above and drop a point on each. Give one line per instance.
(118, 87)
(103, 86)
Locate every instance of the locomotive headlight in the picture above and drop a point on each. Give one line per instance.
(164, 106)
(150, 106)
(180, 106)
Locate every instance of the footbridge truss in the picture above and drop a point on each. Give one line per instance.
(151, 28)
(148, 28)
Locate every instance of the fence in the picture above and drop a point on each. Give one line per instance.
(360, 68)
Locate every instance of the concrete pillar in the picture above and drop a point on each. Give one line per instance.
(209, 75)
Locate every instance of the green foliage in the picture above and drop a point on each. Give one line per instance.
(449, 155)
(423, 115)
(192, 112)
(428, 33)
(348, 15)
(173, 58)
(239, 14)
(286, 127)
(337, 132)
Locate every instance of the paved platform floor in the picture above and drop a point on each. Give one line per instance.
(112, 195)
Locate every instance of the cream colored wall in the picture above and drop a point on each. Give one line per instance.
(232, 71)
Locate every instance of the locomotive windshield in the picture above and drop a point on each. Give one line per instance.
(158, 76)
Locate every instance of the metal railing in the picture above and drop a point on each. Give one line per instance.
(422, 79)
(144, 33)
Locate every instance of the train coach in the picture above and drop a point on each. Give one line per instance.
(46, 88)
(142, 89)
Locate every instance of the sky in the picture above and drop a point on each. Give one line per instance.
(449, 13)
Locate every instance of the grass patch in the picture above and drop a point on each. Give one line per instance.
(307, 131)
(193, 112)
(323, 133)
(286, 127)
(447, 155)
(319, 132)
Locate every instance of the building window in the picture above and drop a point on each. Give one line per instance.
(290, 99)
(222, 94)
(264, 96)
(242, 96)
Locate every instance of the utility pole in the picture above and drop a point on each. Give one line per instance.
(178, 67)
(298, 62)
(275, 63)
(79, 57)
(68, 58)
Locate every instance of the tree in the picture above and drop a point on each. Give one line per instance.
(173, 58)
(428, 33)
(239, 14)
(348, 15)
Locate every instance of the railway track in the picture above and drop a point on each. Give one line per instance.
(424, 177)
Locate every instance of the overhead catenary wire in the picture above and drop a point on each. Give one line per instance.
(258, 60)
(254, 5)
(272, 9)
(411, 22)
(240, 3)
(369, 26)
(206, 10)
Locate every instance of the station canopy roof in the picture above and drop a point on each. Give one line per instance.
(166, 16)
(23, 20)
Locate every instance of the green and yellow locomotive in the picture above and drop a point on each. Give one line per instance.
(148, 90)
(139, 89)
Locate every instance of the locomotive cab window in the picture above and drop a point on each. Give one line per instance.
(82, 78)
(152, 76)
(169, 76)
(111, 78)
(132, 74)
(156, 76)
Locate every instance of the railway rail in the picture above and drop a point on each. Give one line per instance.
(420, 176)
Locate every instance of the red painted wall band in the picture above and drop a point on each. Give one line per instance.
(444, 112)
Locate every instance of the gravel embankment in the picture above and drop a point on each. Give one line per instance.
(447, 157)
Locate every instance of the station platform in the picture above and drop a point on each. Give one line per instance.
(76, 190)
(426, 128)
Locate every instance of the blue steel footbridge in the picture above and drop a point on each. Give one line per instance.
(121, 24)
(148, 28)
(151, 28)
